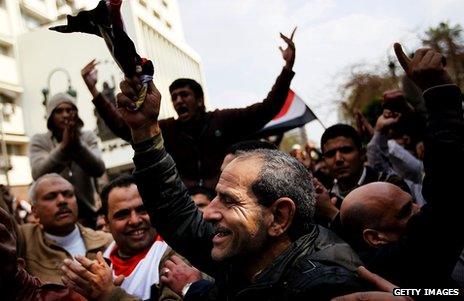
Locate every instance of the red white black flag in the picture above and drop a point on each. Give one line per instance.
(294, 113)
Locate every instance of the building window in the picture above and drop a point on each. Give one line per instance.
(2, 4)
(168, 25)
(6, 50)
(165, 3)
(143, 3)
(6, 99)
(16, 150)
(8, 106)
(156, 14)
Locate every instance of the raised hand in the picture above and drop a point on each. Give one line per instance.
(90, 278)
(386, 120)
(288, 53)
(71, 134)
(176, 274)
(363, 126)
(425, 69)
(143, 121)
(90, 75)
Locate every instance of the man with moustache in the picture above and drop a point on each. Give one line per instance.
(58, 235)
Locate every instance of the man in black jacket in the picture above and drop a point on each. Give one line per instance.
(256, 237)
(412, 247)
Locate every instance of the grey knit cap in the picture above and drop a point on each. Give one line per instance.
(55, 101)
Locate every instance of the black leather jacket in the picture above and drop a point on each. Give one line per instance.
(316, 266)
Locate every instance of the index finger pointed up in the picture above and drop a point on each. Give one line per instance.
(293, 32)
(94, 62)
(91, 65)
(402, 57)
(286, 40)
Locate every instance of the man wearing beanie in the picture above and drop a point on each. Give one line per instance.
(68, 150)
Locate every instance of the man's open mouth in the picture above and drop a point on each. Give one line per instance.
(220, 233)
(182, 110)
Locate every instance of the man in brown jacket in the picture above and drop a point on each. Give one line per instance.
(58, 236)
(197, 140)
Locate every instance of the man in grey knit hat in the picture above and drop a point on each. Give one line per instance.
(68, 150)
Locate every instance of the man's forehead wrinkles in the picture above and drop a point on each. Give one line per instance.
(230, 185)
(55, 188)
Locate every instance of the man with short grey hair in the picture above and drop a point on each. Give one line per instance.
(58, 235)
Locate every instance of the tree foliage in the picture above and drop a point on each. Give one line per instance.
(447, 40)
(362, 90)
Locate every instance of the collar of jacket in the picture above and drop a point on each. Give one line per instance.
(320, 245)
(302, 246)
(273, 273)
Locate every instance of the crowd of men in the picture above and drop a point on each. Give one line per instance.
(209, 214)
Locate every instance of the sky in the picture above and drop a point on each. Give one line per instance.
(238, 42)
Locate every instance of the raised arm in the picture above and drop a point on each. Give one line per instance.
(384, 155)
(105, 108)
(377, 148)
(432, 228)
(252, 118)
(444, 140)
(172, 211)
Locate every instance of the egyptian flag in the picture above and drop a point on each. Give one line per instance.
(294, 113)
